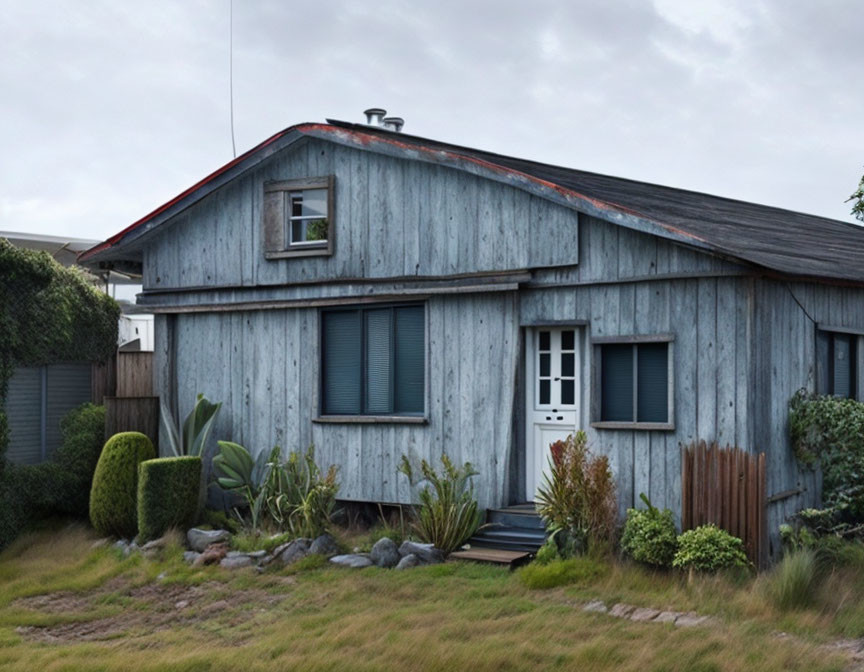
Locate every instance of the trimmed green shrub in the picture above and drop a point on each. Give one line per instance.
(709, 549)
(792, 583)
(167, 494)
(113, 498)
(649, 535)
(578, 570)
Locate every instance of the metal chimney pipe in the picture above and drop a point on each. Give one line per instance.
(374, 116)
(394, 124)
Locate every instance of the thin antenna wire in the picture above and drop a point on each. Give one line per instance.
(231, 70)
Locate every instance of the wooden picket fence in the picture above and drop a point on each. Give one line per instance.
(725, 486)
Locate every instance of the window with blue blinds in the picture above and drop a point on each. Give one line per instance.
(634, 382)
(373, 361)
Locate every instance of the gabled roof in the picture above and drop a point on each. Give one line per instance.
(779, 240)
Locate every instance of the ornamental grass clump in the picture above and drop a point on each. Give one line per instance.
(577, 499)
(649, 535)
(707, 548)
(792, 583)
(448, 514)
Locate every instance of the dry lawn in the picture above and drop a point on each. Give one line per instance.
(67, 606)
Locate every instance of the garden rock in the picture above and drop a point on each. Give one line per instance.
(292, 551)
(237, 561)
(596, 607)
(690, 620)
(354, 561)
(427, 553)
(324, 545)
(667, 617)
(408, 562)
(621, 610)
(385, 553)
(190, 556)
(199, 540)
(644, 614)
(211, 555)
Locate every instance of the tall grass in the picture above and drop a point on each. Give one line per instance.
(792, 583)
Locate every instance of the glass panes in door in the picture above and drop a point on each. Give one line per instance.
(556, 367)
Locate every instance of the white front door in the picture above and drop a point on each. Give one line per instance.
(552, 390)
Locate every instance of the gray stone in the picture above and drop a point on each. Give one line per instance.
(385, 553)
(236, 561)
(644, 614)
(667, 617)
(182, 604)
(408, 561)
(190, 556)
(292, 551)
(258, 555)
(121, 545)
(426, 552)
(690, 620)
(324, 545)
(199, 540)
(131, 548)
(155, 545)
(622, 610)
(596, 607)
(354, 561)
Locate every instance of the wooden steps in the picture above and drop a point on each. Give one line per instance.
(512, 528)
(493, 555)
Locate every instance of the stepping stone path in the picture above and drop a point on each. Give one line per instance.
(647, 615)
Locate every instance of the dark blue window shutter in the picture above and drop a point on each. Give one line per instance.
(379, 348)
(616, 401)
(342, 362)
(410, 360)
(652, 380)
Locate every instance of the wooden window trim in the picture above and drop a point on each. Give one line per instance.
(371, 419)
(596, 382)
(275, 245)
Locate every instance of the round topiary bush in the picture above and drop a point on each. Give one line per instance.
(709, 549)
(113, 505)
(650, 536)
(167, 494)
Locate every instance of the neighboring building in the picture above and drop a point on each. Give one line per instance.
(376, 293)
(39, 396)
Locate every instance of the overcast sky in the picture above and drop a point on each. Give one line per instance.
(108, 109)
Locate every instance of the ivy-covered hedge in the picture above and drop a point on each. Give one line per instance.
(829, 431)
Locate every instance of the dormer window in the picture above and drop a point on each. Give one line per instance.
(298, 218)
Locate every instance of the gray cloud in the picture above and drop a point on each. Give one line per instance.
(109, 109)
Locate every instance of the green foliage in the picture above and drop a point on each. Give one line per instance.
(830, 431)
(113, 497)
(858, 201)
(191, 439)
(649, 535)
(577, 500)
(49, 314)
(293, 495)
(792, 583)
(448, 514)
(709, 549)
(217, 520)
(578, 570)
(167, 494)
(547, 553)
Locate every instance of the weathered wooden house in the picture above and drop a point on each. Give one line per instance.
(376, 293)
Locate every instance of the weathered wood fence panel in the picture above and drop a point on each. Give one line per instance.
(132, 414)
(103, 380)
(725, 486)
(134, 374)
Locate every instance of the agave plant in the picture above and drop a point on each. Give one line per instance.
(448, 514)
(191, 439)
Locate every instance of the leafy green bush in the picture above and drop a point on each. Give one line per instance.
(650, 536)
(293, 495)
(792, 583)
(83, 431)
(578, 570)
(448, 513)
(709, 549)
(167, 494)
(830, 431)
(577, 500)
(547, 553)
(113, 497)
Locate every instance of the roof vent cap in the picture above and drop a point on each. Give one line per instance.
(394, 124)
(375, 116)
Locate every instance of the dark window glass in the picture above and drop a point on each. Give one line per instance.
(545, 391)
(617, 384)
(373, 361)
(652, 382)
(567, 391)
(568, 364)
(545, 359)
(544, 340)
(837, 357)
(568, 340)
